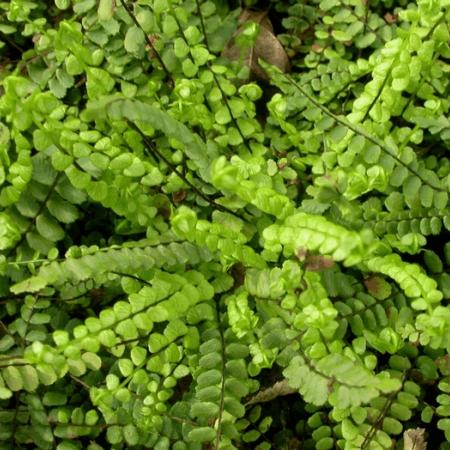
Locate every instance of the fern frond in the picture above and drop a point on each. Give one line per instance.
(140, 112)
(109, 260)
(410, 278)
(224, 236)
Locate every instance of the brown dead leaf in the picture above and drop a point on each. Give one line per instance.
(443, 363)
(237, 271)
(318, 263)
(314, 263)
(301, 253)
(162, 204)
(293, 444)
(97, 294)
(378, 287)
(153, 38)
(280, 388)
(179, 196)
(390, 18)
(267, 46)
(414, 439)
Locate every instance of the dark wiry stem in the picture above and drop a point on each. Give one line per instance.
(154, 151)
(216, 80)
(363, 133)
(149, 42)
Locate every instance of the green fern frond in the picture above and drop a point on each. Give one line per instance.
(99, 262)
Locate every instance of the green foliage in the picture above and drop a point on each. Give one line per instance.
(194, 255)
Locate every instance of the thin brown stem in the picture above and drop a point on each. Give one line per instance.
(358, 130)
(151, 148)
(149, 42)
(216, 79)
(80, 382)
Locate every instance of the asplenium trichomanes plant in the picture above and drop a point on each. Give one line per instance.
(182, 244)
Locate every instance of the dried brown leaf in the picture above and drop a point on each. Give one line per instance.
(279, 389)
(314, 263)
(443, 364)
(302, 252)
(378, 287)
(97, 294)
(266, 47)
(179, 196)
(414, 439)
(390, 18)
(293, 444)
(237, 271)
(318, 263)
